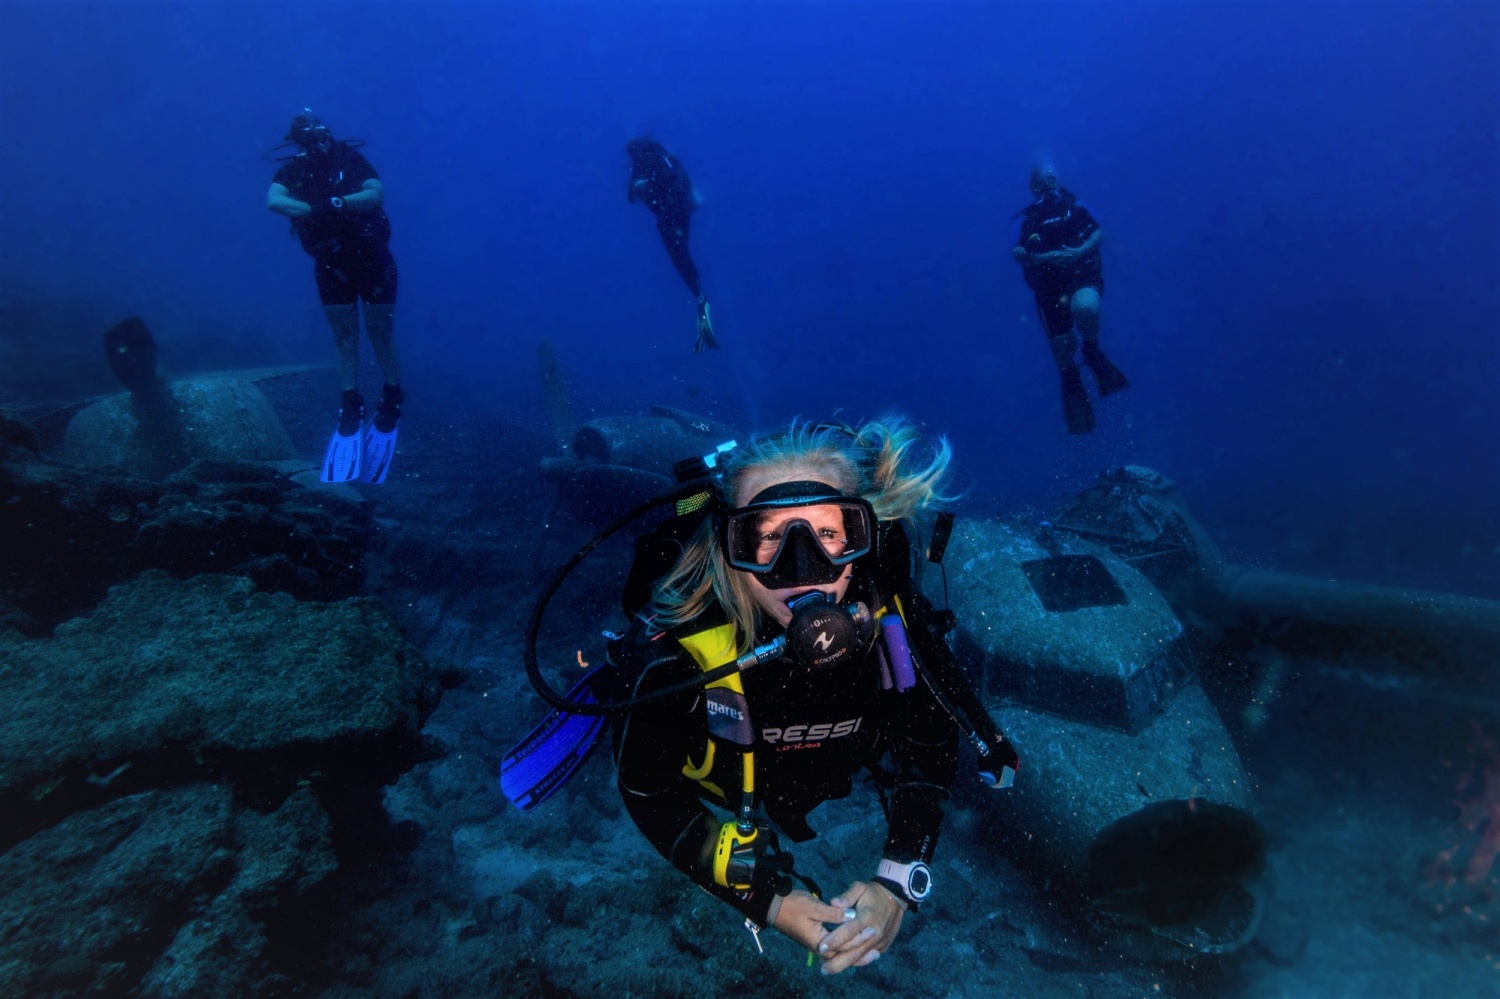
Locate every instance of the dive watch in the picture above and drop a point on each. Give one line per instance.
(910, 882)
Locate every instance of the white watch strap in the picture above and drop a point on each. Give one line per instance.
(915, 878)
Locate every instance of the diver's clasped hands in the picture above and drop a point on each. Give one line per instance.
(1052, 258)
(866, 919)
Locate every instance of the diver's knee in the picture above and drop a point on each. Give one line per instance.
(1085, 304)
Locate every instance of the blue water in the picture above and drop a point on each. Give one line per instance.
(1302, 234)
(1299, 206)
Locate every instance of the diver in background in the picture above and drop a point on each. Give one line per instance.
(1058, 250)
(333, 196)
(659, 180)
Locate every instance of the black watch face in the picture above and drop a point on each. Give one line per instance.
(919, 882)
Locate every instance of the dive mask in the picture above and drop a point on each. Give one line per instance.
(309, 133)
(797, 534)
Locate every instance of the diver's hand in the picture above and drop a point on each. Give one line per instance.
(1021, 253)
(803, 915)
(861, 941)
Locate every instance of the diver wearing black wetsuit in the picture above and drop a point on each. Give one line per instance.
(658, 180)
(814, 729)
(1058, 250)
(350, 247)
(334, 199)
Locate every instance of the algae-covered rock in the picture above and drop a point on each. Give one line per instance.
(168, 680)
(178, 770)
(155, 894)
(69, 535)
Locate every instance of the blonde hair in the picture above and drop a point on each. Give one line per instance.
(873, 461)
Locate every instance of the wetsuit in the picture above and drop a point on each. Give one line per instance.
(1056, 221)
(659, 180)
(1053, 224)
(349, 244)
(813, 732)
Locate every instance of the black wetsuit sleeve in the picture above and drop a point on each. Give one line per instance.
(1028, 226)
(926, 747)
(289, 176)
(652, 744)
(925, 753)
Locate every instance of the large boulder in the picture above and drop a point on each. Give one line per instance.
(156, 892)
(70, 534)
(180, 763)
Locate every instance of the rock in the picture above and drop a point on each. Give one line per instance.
(155, 894)
(169, 681)
(18, 433)
(71, 534)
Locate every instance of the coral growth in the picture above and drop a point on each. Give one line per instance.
(1478, 791)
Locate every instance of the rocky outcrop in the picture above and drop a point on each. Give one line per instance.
(70, 535)
(180, 763)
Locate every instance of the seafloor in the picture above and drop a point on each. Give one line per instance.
(207, 799)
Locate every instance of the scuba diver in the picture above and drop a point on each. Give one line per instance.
(780, 646)
(1058, 250)
(658, 179)
(333, 196)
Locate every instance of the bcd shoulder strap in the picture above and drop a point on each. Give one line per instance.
(728, 710)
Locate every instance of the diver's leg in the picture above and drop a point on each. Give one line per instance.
(380, 324)
(345, 322)
(1084, 305)
(1057, 319)
(674, 236)
(377, 282)
(1085, 308)
(341, 463)
(336, 292)
(1077, 410)
(379, 293)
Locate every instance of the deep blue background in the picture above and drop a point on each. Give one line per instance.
(1302, 235)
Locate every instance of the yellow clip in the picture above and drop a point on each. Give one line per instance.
(730, 840)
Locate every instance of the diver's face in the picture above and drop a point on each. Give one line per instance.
(1042, 183)
(315, 141)
(827, 525)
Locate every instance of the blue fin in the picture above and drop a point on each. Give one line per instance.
(380, 448)
(342, 462)
(544, 760)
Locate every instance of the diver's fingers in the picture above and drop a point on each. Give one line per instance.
(871, 956)
(848, 937)
(854, 955)
(849, 897)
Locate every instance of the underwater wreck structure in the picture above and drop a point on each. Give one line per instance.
(1097, 636)
(158, 426)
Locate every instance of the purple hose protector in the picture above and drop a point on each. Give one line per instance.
(898, 650)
